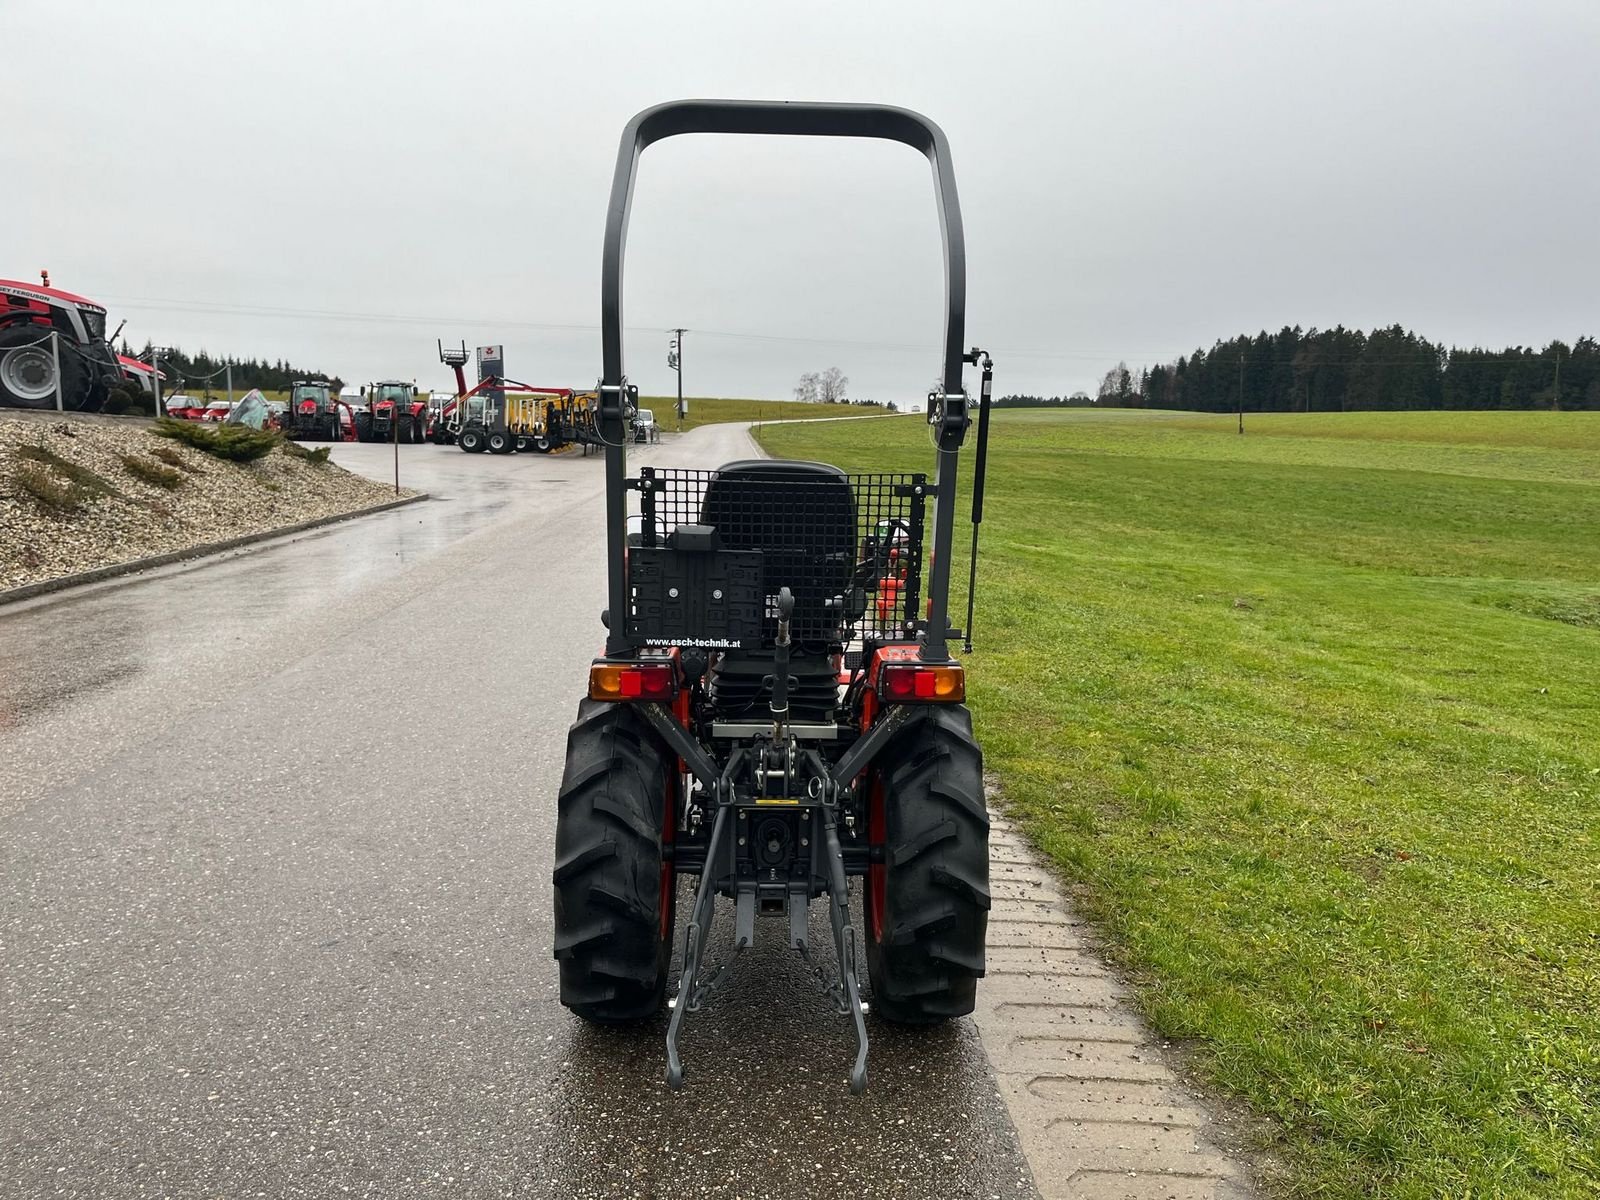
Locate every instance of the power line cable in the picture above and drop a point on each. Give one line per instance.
(161, 304)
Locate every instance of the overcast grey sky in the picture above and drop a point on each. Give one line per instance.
(339, 183)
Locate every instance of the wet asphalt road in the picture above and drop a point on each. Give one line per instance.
(276, 835)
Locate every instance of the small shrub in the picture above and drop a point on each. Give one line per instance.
(173, 459)
(151, 473)
(129, 397)
(85, 479)
(235, 443)
(316, 457)
(49, 490)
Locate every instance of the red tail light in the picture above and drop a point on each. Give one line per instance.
(916, 683)
(632, 681)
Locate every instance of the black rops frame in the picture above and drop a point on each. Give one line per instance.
(947, 409)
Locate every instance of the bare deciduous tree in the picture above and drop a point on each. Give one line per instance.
(826, 387)
(831, 386)
(1117, 385)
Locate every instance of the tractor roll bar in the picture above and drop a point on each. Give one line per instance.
(806, 119)
(801, 118)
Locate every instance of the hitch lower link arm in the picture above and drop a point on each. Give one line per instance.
(690, 994)
(692, 989)
(844, 933)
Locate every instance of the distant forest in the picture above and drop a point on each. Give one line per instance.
(1341, 370)
(203, 370)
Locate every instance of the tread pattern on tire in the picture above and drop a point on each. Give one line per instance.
(925, 966)
(607, 875)
(77, 390)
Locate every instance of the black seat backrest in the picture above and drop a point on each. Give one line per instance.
(802, 517)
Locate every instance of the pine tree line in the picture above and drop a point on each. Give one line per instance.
(1339, 370)
(184, 370)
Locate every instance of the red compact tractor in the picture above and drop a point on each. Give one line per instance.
(777, 710)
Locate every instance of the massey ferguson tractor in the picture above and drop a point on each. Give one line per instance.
(313, 412)
(394, 413)
(777, 709)
(33, 365)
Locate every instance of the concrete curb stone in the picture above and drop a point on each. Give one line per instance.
(1098, 1111)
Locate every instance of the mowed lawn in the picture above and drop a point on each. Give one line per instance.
(715, 410)
(1312, 717)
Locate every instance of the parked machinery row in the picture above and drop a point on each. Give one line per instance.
(387, 411)
(54, 349)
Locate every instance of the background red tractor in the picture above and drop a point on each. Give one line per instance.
(313, 412)
(394, 413)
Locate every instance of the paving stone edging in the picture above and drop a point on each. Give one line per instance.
(60, 584)
(1098, 1110)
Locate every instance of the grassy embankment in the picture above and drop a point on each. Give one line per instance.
(1312, 719)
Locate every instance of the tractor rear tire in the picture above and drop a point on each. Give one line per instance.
(417, 433)
(363, 427)
(27, 372)
(470, 440)
(614, 888)
(928, 902)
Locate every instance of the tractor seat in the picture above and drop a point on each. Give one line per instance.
(802, 517)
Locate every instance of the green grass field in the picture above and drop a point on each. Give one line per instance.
(715, 410)
(1311, 718)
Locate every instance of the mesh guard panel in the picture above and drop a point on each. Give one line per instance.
(848, 546)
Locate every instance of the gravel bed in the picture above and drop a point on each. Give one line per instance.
(216, 499)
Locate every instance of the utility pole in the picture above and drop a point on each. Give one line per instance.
(1241, 391)
(675, 361)
(155, 375)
